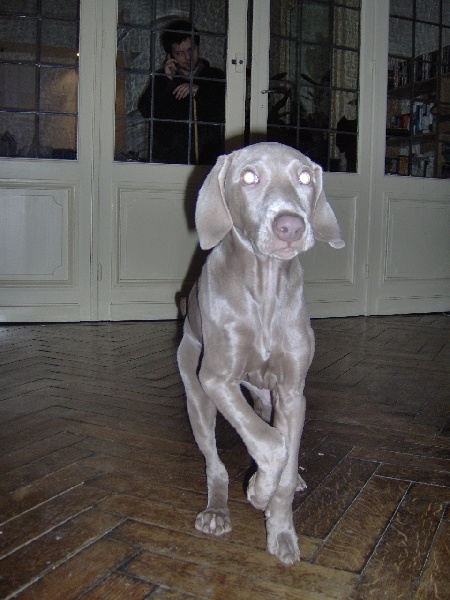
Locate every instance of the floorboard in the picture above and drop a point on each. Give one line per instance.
(100, 478)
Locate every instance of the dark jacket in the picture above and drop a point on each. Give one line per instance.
(172, 120)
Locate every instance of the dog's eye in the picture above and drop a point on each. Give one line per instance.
(249, 177)
(305, 177)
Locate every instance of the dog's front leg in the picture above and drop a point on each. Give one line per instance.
(215, 519)
(282, 538)
(264, 443)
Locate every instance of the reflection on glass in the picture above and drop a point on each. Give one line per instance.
(315, 23)
(60, 8)
(402, 8)
(170, 91)
(39, 78)
(428, 10)
(23, 7)
(58, 90)
(59, 42)
(11, 144)
(314, 79)
(57, 137)
(20, 93)
(14, 29)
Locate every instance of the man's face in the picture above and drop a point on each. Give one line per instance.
(185, 55)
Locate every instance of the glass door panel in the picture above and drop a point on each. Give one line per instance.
(39, 78)
(314, 79)
(170, 81)
(418, 95)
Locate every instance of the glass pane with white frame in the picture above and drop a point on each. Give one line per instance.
(170, 81)
(314, 79)
(39, 78)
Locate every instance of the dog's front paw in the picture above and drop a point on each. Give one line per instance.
(284, 545)
(214, 521)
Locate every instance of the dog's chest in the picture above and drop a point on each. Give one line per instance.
(268, 353)
(263, 378)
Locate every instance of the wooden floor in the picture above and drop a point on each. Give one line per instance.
(100, 480)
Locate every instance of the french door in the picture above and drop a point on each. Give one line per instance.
(147, 245)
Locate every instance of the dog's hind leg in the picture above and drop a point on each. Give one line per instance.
(262, 402)
(215, 519)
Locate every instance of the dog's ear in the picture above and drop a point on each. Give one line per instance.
(323, 219)
(212, 217)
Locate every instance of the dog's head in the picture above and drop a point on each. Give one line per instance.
(272, 194)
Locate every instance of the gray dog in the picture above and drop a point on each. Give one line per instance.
(247, 325)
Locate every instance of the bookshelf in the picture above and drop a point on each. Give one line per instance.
(418, 115)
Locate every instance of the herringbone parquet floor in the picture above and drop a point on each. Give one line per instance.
(100, 479)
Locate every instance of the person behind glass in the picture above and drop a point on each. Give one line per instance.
(187, 88)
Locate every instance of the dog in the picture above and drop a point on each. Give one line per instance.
(247, 325)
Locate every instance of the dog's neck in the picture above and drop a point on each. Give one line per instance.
(241, 248)
(255, 268)
(236, 263)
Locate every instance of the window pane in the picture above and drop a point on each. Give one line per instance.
(210, 17)
(29, 91)
(402, 8)
(282, 55)
(428, 10)
(136, 13)
(59, 42)
(165, 12)
(167, 111)
(58, 90)
(132, 140)
(426, 39)
(446, 14)
(17, 134)
(315, 102)
(21, 7)
(351, 3)
(60, 8)
(345, 108)
(18, 88)
(315, 22)
(57, 137)
(346, 69)
(315, 62)
(12, 30)
(346, 30)
(134, 48)
(400, 37)
(128, 87)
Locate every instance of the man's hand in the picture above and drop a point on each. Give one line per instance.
(182, 90)
(170, 67)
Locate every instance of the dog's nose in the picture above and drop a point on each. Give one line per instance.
(289, 228)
